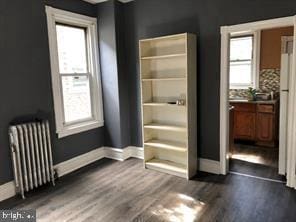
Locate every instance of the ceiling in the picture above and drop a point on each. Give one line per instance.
(99, 1)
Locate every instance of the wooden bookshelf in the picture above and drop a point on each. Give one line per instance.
(165, 79)
(164, 56)
(163, 104)
(167, 166)
(158, 126)
(168, 74)
(169, 145)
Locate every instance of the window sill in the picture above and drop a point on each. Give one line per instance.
(79, 128)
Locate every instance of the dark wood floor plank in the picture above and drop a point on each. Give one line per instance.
(124, 191)
(256, 161)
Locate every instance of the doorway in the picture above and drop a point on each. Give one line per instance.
(249, 134)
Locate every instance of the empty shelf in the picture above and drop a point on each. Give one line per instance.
(166, 166)
(159, 126)
(170, 37)
(162, 104)
(169, 145)
(165, 79)
(164, 56)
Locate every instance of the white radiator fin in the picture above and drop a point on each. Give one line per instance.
(31, 154)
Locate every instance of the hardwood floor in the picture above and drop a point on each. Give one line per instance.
(111, 191)
(255, 161)
(260, 155)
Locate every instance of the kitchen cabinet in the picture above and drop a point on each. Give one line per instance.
(231, 122)
(265, 127)
(267, 124)
(256, 121)
(244, 125)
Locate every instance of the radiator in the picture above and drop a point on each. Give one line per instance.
(31, 155)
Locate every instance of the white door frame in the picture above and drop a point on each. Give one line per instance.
(224, 94)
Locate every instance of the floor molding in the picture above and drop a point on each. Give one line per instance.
(7, 190)
(75, 163)
(123, 154)
(206, 165)
(256, 177)
(97, 154)
(137, 152)
(209, 166)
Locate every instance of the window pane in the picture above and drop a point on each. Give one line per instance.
(71, 49)
(241, 48)
(240, 73)
(76, 96)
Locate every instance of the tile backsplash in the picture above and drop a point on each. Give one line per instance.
(269, 80)
(238, 93)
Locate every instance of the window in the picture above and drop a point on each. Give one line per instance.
(242, 70)
(75, 71)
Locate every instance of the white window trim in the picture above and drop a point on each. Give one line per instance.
(255, 60)
(90, 23)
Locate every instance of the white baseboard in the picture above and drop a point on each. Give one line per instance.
(205, 165)
(137, 152)
(123, 154)
(209, 166)
(79, 161)
(97, 154)
(116, 153)
(7, 190)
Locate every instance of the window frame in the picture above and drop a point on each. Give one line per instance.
(255, 69)
(57, 16)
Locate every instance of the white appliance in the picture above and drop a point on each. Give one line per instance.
(286, 69)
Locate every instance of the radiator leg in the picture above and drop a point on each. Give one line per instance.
(23, 195)
(16, 148)
(52, 171)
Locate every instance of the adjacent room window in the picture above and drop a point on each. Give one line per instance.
(75, 71)
(242, 72)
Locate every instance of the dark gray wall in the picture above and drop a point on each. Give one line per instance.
(114, 78)
(76, 6)
(150, 18)
(108, 59)
(25, 80)
(123, 80)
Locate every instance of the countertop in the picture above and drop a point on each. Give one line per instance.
(254, 102)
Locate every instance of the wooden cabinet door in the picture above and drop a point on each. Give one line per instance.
(231, 131)
(244, 125)
(265, 127)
